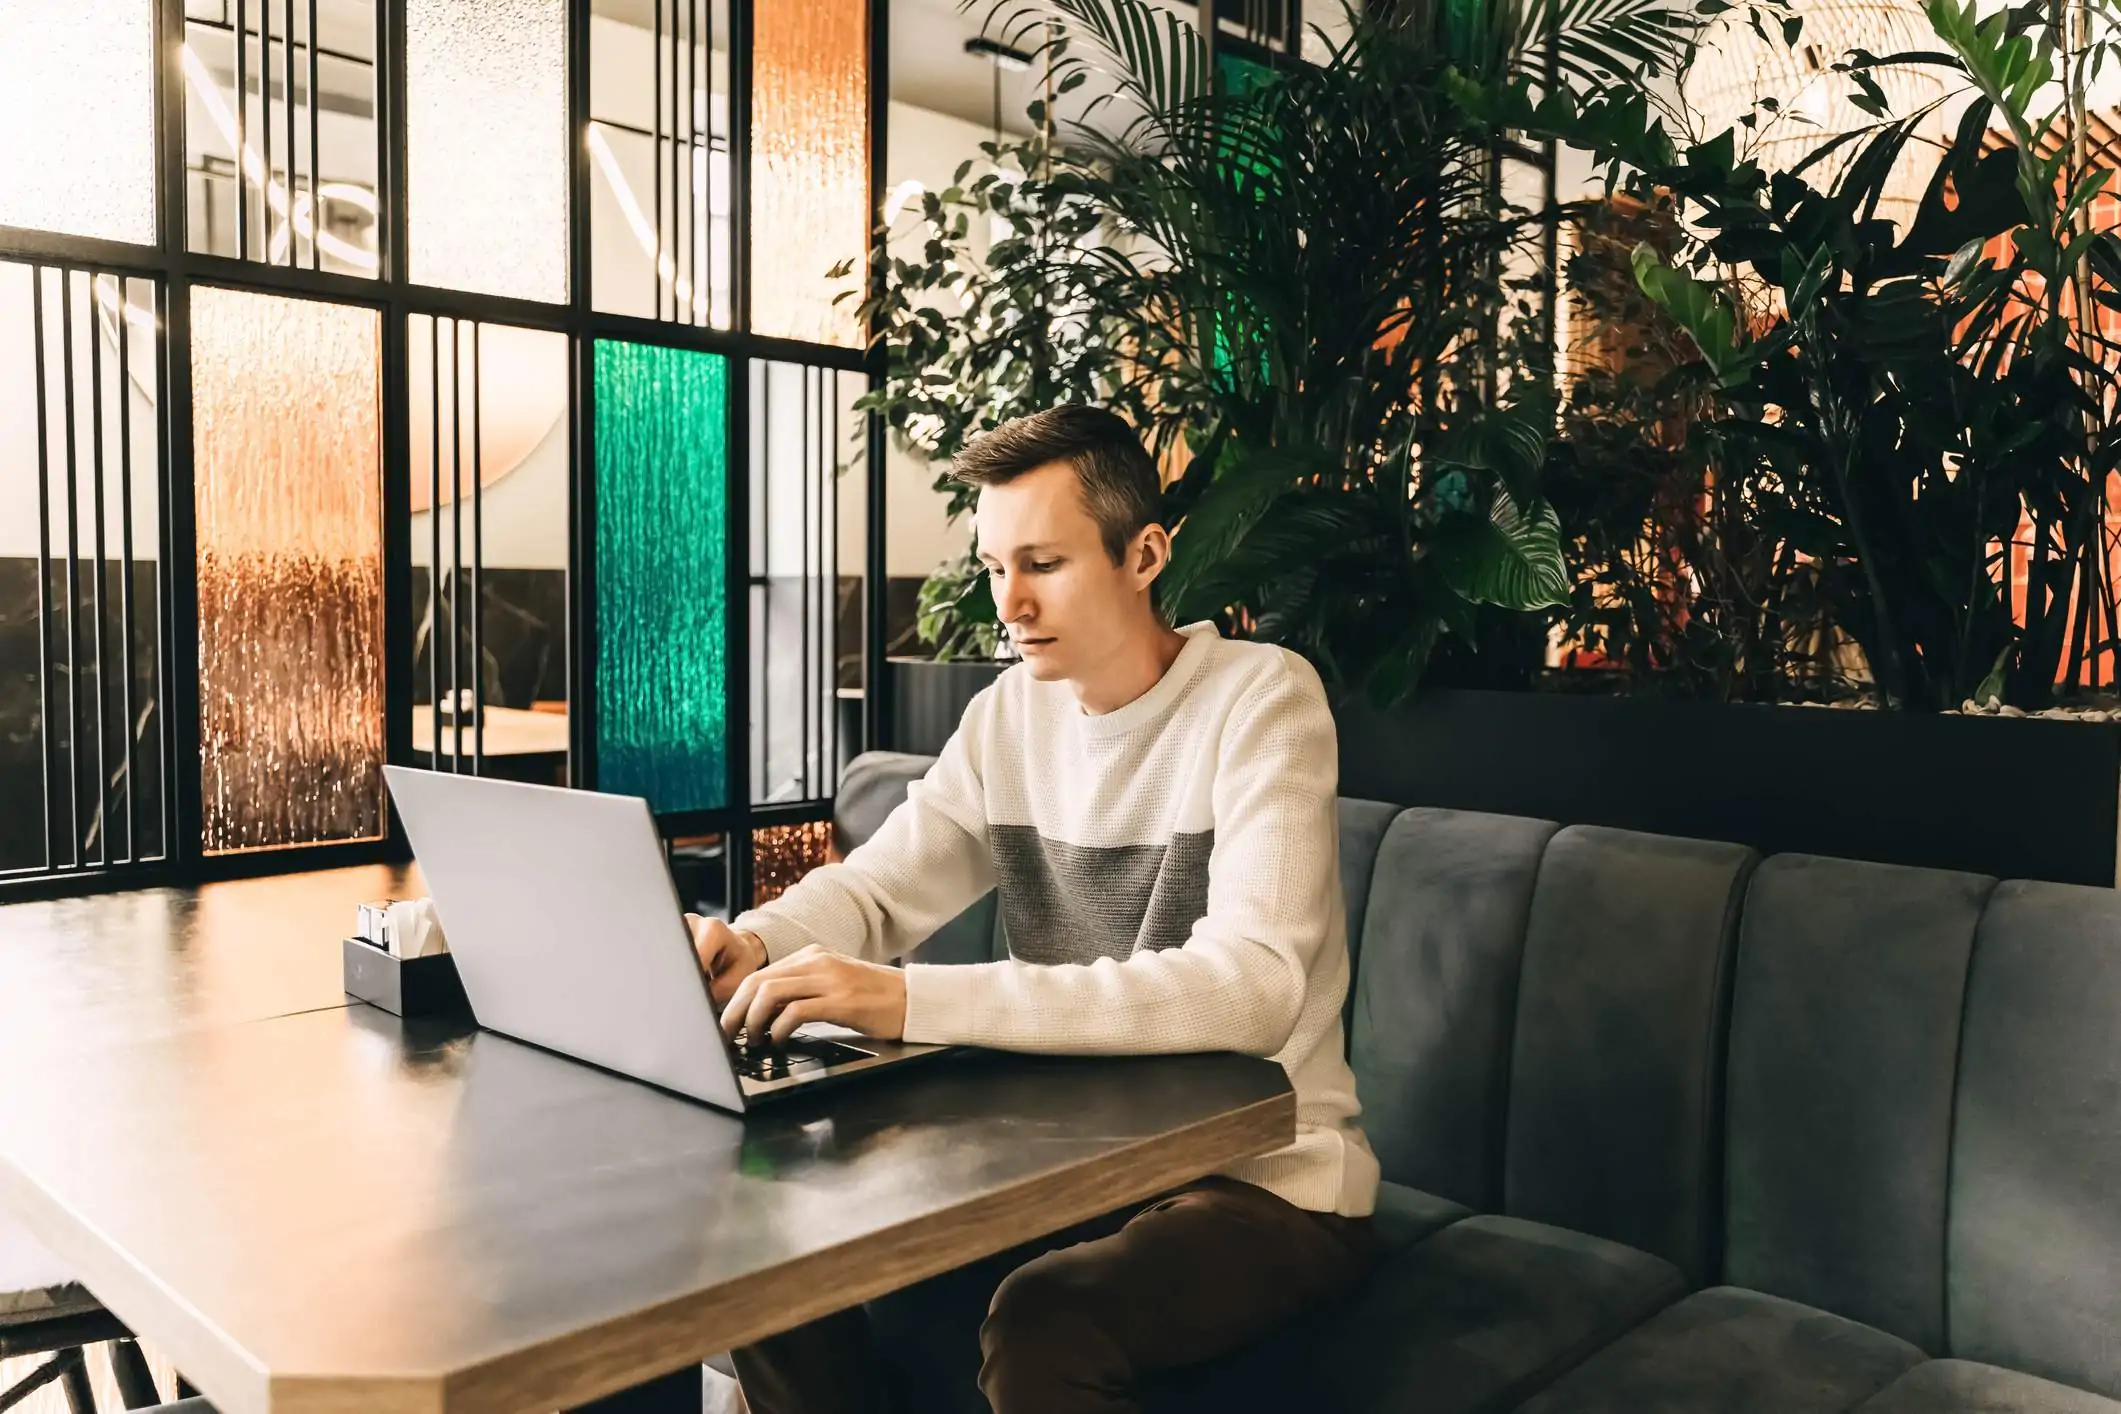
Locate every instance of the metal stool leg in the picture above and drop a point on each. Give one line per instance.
(52, 1369)
(80, 1394)
(136, 1386)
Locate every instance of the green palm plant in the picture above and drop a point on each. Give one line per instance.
(1913, 393)
(1293, 290)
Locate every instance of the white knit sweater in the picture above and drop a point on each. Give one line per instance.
(1169, 881)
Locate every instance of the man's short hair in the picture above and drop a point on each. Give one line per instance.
(1120, 485)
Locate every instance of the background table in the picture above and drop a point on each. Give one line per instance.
(316, 1207)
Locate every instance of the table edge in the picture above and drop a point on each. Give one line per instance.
(588, 1364)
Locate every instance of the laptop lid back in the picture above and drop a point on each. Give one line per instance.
(565, 927)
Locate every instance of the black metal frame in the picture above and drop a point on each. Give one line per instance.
(175, 268)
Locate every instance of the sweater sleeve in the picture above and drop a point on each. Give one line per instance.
(926, 864)
(1237, 984)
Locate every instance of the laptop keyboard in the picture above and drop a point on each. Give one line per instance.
(783, 1061)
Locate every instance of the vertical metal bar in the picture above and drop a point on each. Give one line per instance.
(400, 680)
(655, 161)
(581, 408)
(826, 590)
(294, 163)
(582, 569)
(392, 139)
(96, 586)
(184, 807)
(316, 153)
(740, 162)
(877, 723)
(434, 537)
(707, 162)
(242, 134)
(44, 555)
(125, 560)
(737, 575)
(806, 473)
(478, 576)
(699, 163)
(676, 201)
(456, 543)
(692, 169)
(169, 99)
(764, 569)
(171, 186)
(832, 692)
(265, 130)
(73, 575)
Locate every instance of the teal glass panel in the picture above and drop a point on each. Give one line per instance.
(662, 533)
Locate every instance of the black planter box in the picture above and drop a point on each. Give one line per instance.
(2017, 798)
(928, 698)
(409, 987)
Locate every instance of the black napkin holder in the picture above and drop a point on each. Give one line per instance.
(403, 986)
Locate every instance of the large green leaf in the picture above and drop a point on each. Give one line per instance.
(1511, 560)
(1702, 310)
(1247, 484)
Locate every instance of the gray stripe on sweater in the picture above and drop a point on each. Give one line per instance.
(1077, 903)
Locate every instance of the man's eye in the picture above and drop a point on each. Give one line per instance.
(1045, 566)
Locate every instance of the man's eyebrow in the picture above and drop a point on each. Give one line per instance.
(1020, 549)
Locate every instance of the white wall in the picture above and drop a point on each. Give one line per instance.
(924, 147)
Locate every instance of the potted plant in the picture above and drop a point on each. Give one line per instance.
(1292, 291)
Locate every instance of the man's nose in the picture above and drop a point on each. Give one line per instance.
(1013, 602)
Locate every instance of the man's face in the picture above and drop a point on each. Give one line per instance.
(1067, 607)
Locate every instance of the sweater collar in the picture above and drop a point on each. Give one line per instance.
(1200, 637)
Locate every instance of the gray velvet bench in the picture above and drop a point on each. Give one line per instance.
(1668, 1128)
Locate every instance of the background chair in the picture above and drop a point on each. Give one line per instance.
(44, 1311)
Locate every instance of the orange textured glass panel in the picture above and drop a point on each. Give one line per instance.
(809, 166)
(286, 450)
(782, 854)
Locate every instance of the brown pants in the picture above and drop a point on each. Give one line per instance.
(1073, 1323)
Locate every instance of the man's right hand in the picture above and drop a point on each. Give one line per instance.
(726, 956)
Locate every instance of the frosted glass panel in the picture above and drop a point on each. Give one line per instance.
(809, 166)
(486, 116)
(285, 396)
(662, 532)
(77, 109)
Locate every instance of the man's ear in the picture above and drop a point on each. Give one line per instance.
(1154, 552)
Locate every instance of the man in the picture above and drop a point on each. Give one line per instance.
(1156, 807)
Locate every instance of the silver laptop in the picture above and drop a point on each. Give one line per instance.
(568, 934)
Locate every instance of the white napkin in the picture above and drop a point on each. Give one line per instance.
(416, 929)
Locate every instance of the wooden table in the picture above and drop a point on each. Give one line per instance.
(318, 1208)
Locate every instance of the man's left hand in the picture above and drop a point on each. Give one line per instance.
(816, 985)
